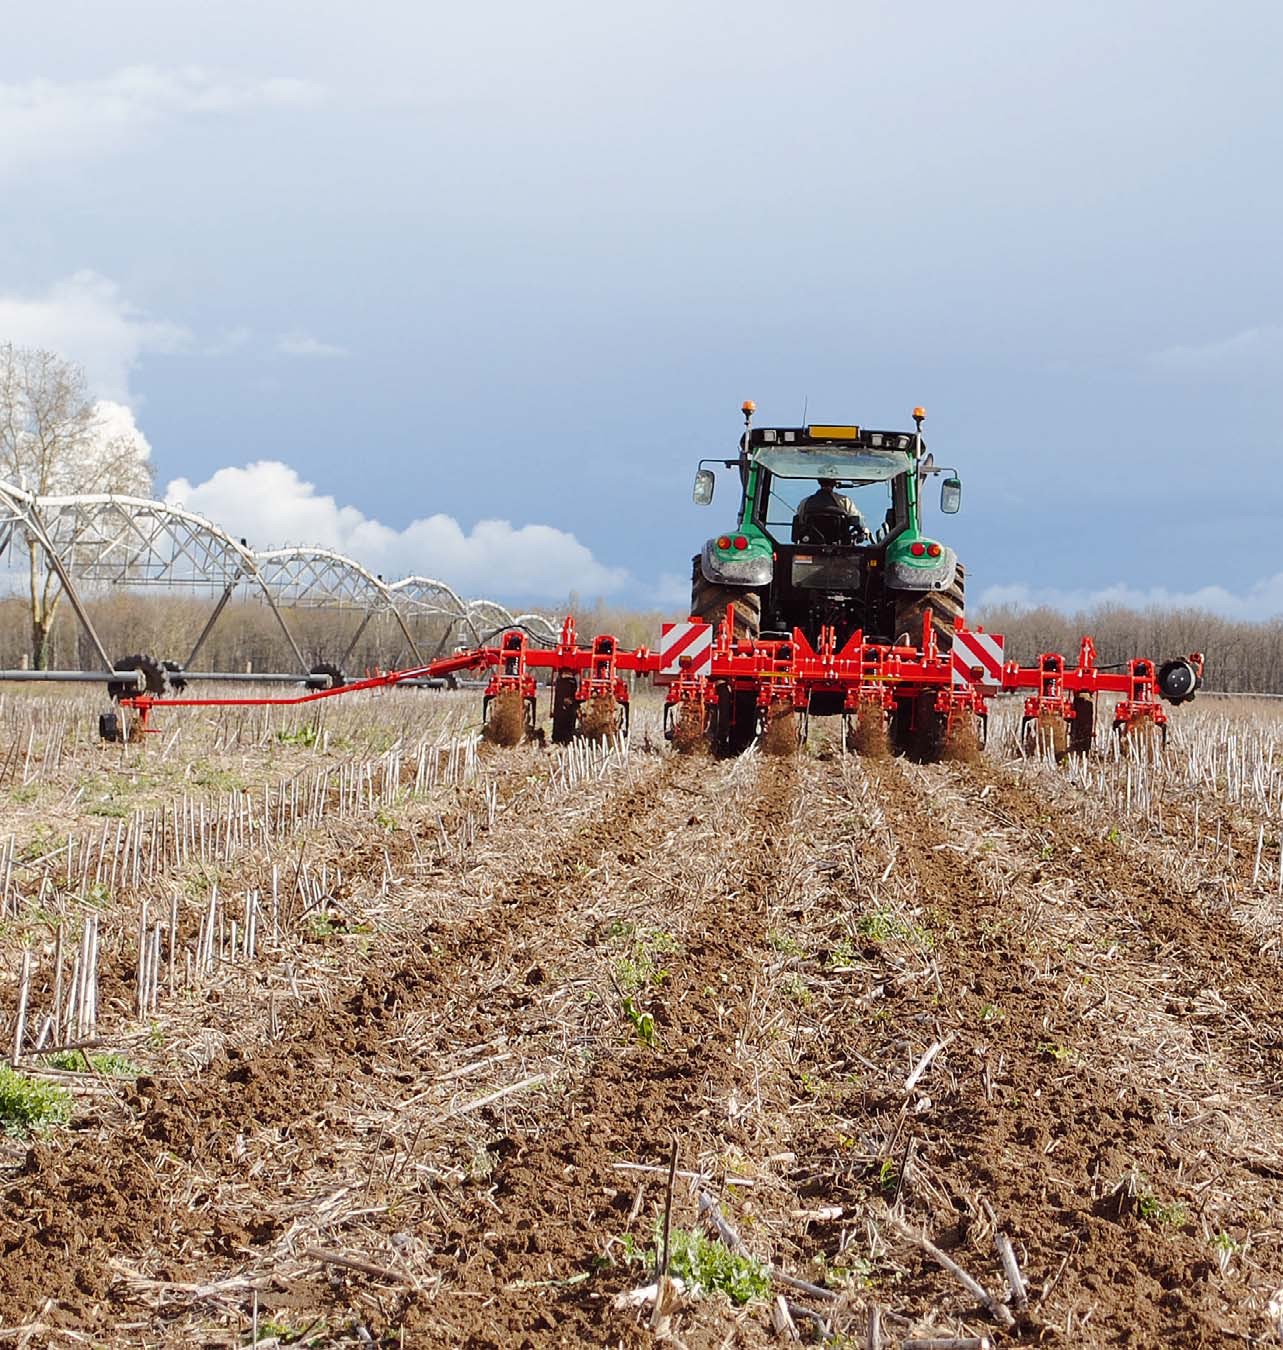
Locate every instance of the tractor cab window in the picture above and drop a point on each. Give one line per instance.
(799, 510)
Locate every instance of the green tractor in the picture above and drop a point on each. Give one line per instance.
(830, 535)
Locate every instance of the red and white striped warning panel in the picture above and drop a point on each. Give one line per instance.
(684, 646)
(981, 652)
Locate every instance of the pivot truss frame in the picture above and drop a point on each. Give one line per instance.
(112, 540)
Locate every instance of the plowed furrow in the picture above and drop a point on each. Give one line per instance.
(1075, 1162)
(207, 1169)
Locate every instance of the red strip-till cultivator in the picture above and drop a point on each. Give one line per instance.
(727, 691)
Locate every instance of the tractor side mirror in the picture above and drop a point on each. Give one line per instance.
(705, 481)
(951, 496)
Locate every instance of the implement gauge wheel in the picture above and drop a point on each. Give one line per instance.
(943, 606)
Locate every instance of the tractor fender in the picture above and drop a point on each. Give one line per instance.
(938, 576)
(749, 568)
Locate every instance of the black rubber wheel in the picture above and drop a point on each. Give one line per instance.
(1082, 729)
(944, 607)
(153, 675)
(174, 675)
(709, 601)
(337, 679)
(734, 721)
(565, 709)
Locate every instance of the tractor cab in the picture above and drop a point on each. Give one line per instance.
(829, 534)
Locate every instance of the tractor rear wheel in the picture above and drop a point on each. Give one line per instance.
(943, 606)
(709, 600)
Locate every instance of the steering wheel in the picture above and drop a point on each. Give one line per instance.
(832, 528)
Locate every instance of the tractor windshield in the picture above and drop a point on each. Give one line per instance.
(799, 510)
(832, 461)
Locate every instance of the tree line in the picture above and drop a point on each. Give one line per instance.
(1241, 657)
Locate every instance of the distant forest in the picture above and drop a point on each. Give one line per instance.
(1241, 657)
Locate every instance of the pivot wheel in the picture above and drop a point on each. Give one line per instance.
(709, 600)
(153, 676)
(336, 677)
(174, 674)
(943, 606)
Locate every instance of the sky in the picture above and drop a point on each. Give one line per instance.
(469, 290)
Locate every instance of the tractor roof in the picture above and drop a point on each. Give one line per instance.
(846, 437)
(832, 452)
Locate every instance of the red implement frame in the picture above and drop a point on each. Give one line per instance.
(784, 675)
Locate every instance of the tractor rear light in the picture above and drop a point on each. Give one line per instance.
(918, 548)
(724, 541)
(741, 542)
(933, 550)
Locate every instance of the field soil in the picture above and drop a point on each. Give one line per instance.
(865, 1017)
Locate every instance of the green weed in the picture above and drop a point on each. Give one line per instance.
(29, 1106)
(306, 735)
(885, 925)
(843, 954)
(703, 1264)
(1226, 1250)
(796, 988)
(887, 1176)
(1171, 1215)
(110, 1064)
(643, 1022)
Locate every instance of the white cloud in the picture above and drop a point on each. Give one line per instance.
(86, 319)
(270, 505)
(1249, 355)
(116, 423)
(44, 120)
(1262, 600)
(304, 344)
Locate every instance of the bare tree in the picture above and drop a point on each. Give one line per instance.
(55, 440)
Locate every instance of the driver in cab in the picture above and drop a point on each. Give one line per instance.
(828, 517)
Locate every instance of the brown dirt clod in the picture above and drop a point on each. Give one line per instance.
(506, 724)
(780, 736)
